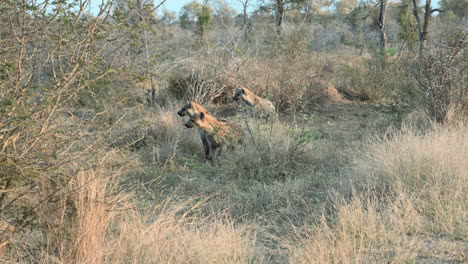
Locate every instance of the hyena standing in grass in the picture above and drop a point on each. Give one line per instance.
(192, 109)
(220, 133)
(261, 105)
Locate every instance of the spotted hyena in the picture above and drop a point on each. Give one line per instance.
(261, 105)
(192, 109)
(219, 133)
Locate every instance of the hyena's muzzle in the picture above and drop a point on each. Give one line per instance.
(181, 113)
(189, 124)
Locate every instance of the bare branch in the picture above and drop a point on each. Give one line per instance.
(437, 10)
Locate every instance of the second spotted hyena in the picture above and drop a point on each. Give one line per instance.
(264, 106)
(219, 133)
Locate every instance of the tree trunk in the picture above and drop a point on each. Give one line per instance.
(383, 34)
(279, 15)
(244, 10)
(246, 22)
(423, 31)
(140, 5)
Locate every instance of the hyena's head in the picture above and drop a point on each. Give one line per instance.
(240, 93)
(191, 109)
(244, 95)
(186, 110)
(197, 120)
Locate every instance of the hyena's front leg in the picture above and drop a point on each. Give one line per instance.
(206, 146)
(219, 152)
(215, 149)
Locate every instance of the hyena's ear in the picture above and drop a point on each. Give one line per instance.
(202, 116)
(242, 91)
(190, 105)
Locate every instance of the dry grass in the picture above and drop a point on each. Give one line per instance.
(173, 237)
(407, 187)
(168, 233)
(430, 169)
(107, 227)
(361, 233)
(94, 214)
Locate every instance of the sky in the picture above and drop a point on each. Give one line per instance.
(173, 5)
(176, 5)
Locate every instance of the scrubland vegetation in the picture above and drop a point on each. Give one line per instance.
(365, 160)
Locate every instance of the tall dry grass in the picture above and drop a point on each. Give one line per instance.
(108, 226)
(173, 236)
(407, 187)
(94, 214)
(360, 233)
(430, 169)
(170, 232)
